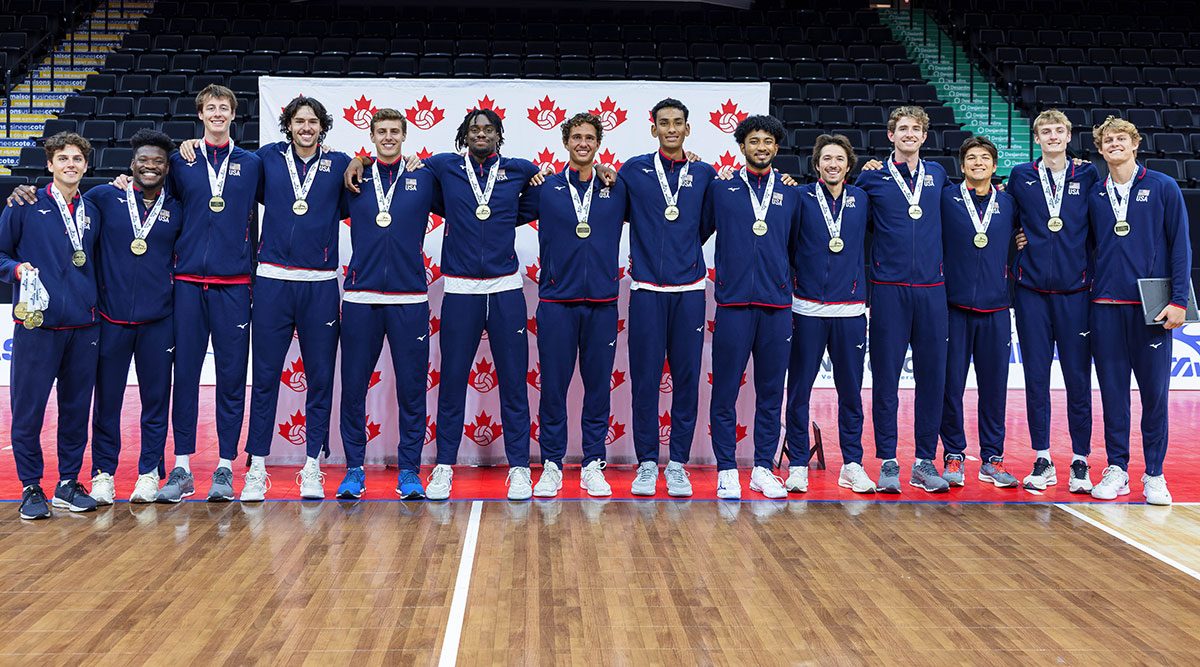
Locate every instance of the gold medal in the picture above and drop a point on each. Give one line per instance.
(759, 227)
(34, 320)
(671, 213)
(914, 212)
(21, 310)
(216, 204)
(1055, 224)
(1121, 228)
(583, 230)
(79, 258)
(383, 219)
(138, 246)
(299, 207)
(483, 212)
(836, 244)
(981, 240)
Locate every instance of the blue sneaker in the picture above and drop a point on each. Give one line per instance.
(353, 485)
(33, 503)
(70, 495)
(408, 486)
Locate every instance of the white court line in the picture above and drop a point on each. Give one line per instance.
(462, 585)
(1130, 541)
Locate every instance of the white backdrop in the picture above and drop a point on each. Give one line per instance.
(533, 111)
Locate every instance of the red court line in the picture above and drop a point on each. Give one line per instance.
(1182, 466)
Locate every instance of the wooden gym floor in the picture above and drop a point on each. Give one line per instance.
(987, 577)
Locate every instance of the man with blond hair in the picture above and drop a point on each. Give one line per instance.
(1053, 274)
(908, 296)
(1140, 226)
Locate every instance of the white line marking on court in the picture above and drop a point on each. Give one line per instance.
(1130, 541)
(462, 585)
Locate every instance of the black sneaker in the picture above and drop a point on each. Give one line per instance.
(33, 503)
(70, 495)
(1081, 481)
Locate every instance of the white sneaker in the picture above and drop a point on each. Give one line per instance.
(646, 481)
(797, 479)
(550, 481)
(855, 478)
(103, 490)
(146, 488)
(768, 483)
(311, 481)
(729, 487)
(1155, 490)
(591, 479)
(257, 483)
(1114, 482)
(440, 481)
(678, 484)
(520, 483)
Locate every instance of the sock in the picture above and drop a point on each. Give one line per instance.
(1077, 457)
(183, 461)
(225, 463)
(893, 460)
(1043, 454)
(258, 462)
(312, 461)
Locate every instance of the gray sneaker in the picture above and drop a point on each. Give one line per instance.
(952, 472)
(646, 482)
(925, 476)
(993, 471)
(889, 478)
(222, 486)
(179, 485)
(678, 485)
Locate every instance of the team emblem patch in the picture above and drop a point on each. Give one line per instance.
(235, 169)
(849, 201)
(410, 184)
(605, 193)
(777, 198)
(1143, 195)
(500, 175)
(687, 181)
(164, 216)
(1072, 188)
(324, 165)
(929, 179)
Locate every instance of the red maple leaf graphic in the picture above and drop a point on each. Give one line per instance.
(434, 222)
(621, 273)
(609, 158)
(294, 376)
(488, 103)
(620, 326)
(726, 118)
(712, 326)
(293, 429)
(727, 160)
(546, 114)
(424, 115)
(483, 376)
(430, 430)
(376, 378)
(435, 325)
(424, 153)
(373, 429)
(712, 275)
(616, 431)
(742, 384)
(534, 430)
(360, 114)
(531, 325)
(534, 271)
(432, 271)
(483, 431)
(740, 432)
(534, 377)
(610, 115)
(362, 152)
(432, 377)
(664, 429)
(618, 379)
(547, 157)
